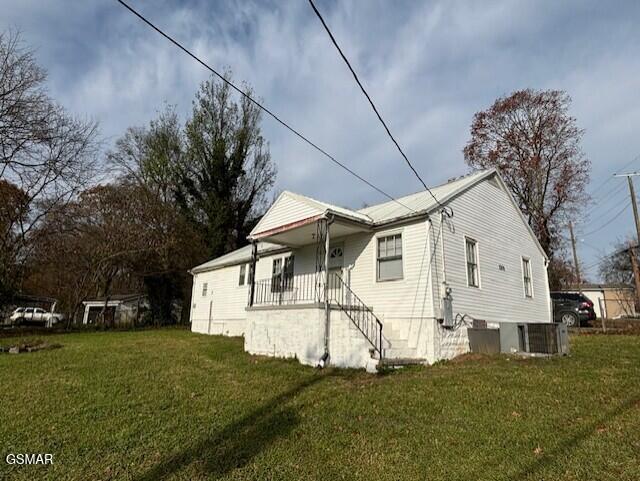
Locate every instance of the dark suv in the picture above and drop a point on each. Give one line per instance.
(572, 308)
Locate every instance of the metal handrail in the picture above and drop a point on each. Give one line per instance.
(360, 314)
(282, 289)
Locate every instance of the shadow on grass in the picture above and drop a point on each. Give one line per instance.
(238, 443)
(564, 448)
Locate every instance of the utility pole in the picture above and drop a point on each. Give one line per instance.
(575, 258)
(634, 204)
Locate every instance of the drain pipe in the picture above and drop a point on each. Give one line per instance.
(444, 267)
(324, 360)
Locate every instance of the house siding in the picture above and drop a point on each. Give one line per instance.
(486, 214)
(225, 299)
(284, 211)
(403, 304)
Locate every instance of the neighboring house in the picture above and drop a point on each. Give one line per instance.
(392, 280)
(611, 301)
(115, 310)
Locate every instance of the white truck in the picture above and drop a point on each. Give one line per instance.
(34, 316)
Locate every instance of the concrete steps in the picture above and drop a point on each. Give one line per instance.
(399, 362)
(397, 348)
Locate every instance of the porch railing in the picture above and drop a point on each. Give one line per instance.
(283, 289)
(307, 289)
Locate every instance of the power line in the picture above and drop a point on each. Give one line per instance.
(599, 259)
(626, 206)
(259, 105)
(364, 91)
(602, 213)
(608, 179)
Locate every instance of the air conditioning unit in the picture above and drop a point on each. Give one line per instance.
(534, 338)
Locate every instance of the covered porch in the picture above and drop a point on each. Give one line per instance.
(309, 288)
(322, 280)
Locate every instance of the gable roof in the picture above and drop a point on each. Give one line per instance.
(290, 207)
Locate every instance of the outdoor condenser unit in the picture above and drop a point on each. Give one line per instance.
(535, 338)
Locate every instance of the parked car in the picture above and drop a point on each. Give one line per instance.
(34, 316)
(572, 308)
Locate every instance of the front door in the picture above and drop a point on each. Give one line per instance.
(336, 277)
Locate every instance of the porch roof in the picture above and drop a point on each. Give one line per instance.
(304, 231)
(238, 256)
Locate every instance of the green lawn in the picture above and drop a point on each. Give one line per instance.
(170, 404)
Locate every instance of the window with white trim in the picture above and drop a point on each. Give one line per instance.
(243, 274)
(282, 274)
(287, 272)
(276, 275)
(471, 250)
(526, 277)
(205, 286)
(389, 257)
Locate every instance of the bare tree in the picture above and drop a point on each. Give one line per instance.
(149, 156)
(616, 267)
(46, 153)
(534, 142)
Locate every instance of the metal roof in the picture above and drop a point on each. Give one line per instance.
(421, 201)
(237, 256)
(418, 203)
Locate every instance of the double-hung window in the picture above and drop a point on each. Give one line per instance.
(282, 274)
(276, 275)
(389, 257)
(287, 273)
(243, 273)
(471, 248)
(526, 277)
(205, 286)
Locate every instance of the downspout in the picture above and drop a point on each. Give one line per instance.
(546, 279)
(444, 266)
(327, 312)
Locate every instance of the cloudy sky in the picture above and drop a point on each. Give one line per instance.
(428, 65)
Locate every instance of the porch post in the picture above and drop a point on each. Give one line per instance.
(327, 312)
(85, 317)
(252, 272)
(327, 240)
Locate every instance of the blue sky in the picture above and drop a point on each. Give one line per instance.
(429, 66)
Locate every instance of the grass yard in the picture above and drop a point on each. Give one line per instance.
(170, 404)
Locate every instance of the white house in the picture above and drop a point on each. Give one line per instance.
(398, 280)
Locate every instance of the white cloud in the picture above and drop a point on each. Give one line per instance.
(429, 67)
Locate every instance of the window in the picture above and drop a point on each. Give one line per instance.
(471, 247)
(526, 276)
(204, 289)
(282, 277)
(288, 273)
(276, 275)
(389, 257)
(243, 272)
